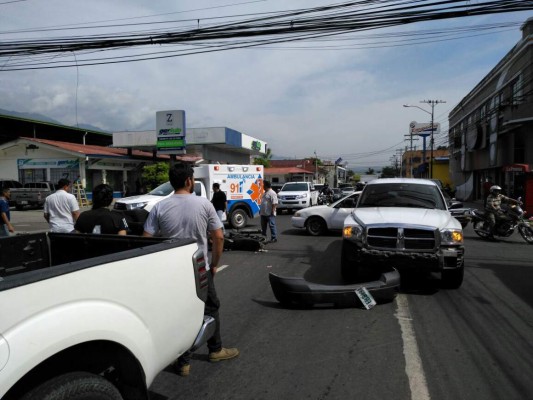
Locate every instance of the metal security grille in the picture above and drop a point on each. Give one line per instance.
(400, 238)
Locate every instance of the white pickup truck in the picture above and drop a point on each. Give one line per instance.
(100, 315)
(405, 224)
(296, 196)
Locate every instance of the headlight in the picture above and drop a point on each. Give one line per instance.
(297, 214)
(133, 206)
(302, 196)
(451, 236)
(352, 232)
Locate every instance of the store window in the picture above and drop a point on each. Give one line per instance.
(32, 175)
(67, 173)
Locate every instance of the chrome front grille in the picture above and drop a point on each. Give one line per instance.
(401, 238)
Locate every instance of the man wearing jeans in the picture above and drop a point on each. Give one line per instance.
(267, 211)
(184, 215)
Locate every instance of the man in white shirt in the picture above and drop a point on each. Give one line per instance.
(61, 209)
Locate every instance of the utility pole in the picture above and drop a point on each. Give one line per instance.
(316, 168)
(432, 103)
(410, 138)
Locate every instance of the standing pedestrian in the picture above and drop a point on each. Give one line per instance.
(61, 209)
(101, 219)
(220, 202)
(184, 215)
(267, 211)
(5, 214)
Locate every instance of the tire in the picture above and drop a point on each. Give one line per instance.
(75, 386)
(526, 232)
(238, 219)
(350, 266)
(19, 207)
(453, 278)
(481, 228)
(315, 226)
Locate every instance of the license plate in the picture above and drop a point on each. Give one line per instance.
(23, 202)
(366, 298)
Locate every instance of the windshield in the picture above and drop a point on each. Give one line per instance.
(162, 190)
(166, 188)
(402, 195)
(295, 187)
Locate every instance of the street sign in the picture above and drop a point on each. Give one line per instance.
(170, 127)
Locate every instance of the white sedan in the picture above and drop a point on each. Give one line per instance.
(318, 219)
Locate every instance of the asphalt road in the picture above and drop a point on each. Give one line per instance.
(472, 343)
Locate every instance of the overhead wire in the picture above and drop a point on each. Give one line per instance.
(318, 23)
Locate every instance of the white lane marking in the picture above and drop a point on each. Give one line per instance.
(413, 363)
(222, 267)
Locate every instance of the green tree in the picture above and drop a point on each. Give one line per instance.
(155, 174)
(264, 160)
(389, 172)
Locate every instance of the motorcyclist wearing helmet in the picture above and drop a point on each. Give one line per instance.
(494, 205)
(326, 189)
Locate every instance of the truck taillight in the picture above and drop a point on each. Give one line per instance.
(200, 272)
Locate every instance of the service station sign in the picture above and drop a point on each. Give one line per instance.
(170, 128)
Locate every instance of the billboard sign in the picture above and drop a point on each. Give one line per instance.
(423, 128)
(170, 129)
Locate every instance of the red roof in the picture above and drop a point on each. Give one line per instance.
(93, 150)
(287, 170)
(307, 165)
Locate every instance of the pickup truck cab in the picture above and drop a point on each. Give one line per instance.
(405, 224)
(91, 313)
(32, 194)
(296, 196)
(149, 200)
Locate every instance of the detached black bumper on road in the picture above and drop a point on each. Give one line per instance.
(291, 290)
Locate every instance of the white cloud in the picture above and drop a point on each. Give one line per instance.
(339, 103)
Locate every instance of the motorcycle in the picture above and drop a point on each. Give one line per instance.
(511, 218)
(324, 199)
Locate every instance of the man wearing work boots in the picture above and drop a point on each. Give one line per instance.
(184, 215)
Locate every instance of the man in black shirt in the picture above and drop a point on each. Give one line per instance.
(219, 201)
(101, 219)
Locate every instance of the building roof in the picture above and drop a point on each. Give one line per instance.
(286, 170)
(306, 164)
(106, 152)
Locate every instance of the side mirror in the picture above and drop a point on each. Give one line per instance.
(455, 204)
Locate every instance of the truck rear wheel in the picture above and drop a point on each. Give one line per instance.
(238, 218)
(75, 386)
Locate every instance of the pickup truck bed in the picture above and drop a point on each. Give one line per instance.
(120, 308)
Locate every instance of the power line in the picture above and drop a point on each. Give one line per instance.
(318, 23)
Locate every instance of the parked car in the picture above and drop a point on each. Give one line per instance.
(346, 188)
(319, 219)
(32, 194)
(337, 194)
(11, 184)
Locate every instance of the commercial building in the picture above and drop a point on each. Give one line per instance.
(34, 151)
(491, 129)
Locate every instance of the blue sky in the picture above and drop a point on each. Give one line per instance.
(342, 103)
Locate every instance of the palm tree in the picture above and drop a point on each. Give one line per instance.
(264, 160)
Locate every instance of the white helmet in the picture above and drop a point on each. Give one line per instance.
(495, 188)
